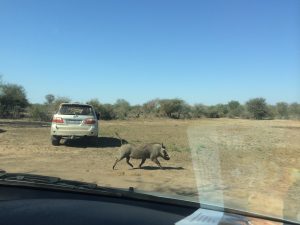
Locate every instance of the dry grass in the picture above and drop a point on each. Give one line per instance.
(251, 165)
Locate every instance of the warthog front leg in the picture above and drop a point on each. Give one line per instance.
(157, 162)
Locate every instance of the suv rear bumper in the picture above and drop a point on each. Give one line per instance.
(57, 131)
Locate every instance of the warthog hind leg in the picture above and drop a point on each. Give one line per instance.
(143, 161)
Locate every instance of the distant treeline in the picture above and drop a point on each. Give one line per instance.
(14, 104)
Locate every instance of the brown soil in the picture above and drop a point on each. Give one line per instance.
(244, 164)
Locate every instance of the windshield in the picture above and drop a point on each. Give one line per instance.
(75, 110)
(188, 99)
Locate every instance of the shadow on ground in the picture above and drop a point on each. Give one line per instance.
(24, 124)
(157, 168)
(181, 191)
(2, 131)
(99, 142)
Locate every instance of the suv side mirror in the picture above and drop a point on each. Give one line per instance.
(98, 115)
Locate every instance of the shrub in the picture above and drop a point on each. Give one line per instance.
(282, 110)
(235, 109)
(151, 107)
(106, 110)
(121, 109)
(39, 112)
(173, 108)
(258, 109)
(199, 111)
(294, 110)
(13, 100)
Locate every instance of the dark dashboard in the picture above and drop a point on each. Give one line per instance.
(34, 205)
(31, 206)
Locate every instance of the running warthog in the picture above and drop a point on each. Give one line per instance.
(149, 151)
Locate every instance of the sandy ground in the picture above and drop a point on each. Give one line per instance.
(249, 165)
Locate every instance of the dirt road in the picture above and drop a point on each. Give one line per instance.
(250, 165)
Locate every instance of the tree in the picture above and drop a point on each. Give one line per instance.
(44, 112)
(106, 110)
(60, 100)
(121, 109)
(173, 108)
(282, 110)
(217, 111)
(135, 111)
(222, 110)
(257, 107)
(199, 110)
(49, 99)
(186, 112)
(13, 100)
(294, 110)
(95, 103)
(235, 109)
(151, 107)
(39, 112)
(212, 112)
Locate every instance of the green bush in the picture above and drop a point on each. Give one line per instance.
(121, 109)
(199, 111)
(173, 108)
(13, 100)
(151, 108)
(106, 111)
(235, 109)
(294, 110)
(282, 110)
(39, 112)
(258, 109)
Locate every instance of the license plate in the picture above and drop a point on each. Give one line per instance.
(74, 121)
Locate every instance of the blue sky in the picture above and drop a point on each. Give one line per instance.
(201, 51)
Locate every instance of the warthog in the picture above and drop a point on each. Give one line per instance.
(149, 151)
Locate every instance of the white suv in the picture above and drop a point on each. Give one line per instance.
(74, 120)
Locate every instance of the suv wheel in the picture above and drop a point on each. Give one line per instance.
(55, 140)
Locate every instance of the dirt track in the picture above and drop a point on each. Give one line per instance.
(28, 149)
(252, 165)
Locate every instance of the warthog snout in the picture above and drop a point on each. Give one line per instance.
(166, 156)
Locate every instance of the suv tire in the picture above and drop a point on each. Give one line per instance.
(55, 140)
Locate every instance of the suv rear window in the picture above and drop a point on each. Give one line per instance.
(76, 110)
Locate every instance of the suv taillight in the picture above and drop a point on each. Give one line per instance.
(89, 121)
(57, 120)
